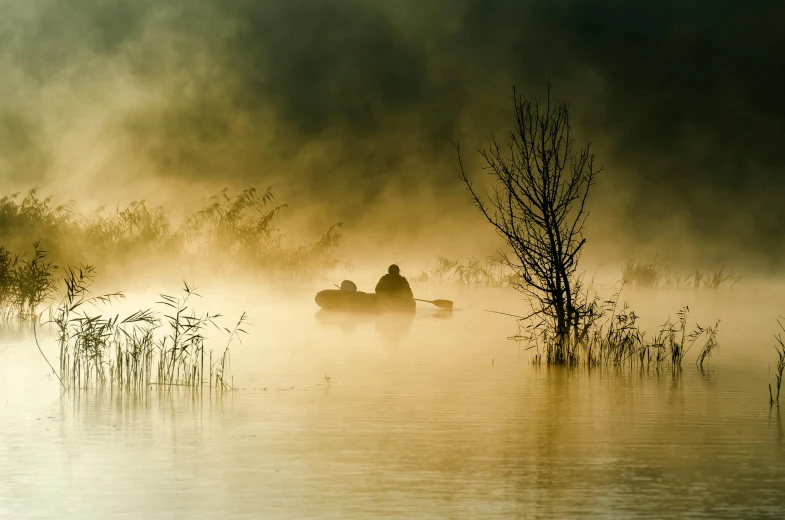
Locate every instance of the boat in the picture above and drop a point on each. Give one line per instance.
(358, 301)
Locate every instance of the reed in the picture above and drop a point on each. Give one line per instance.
(611, 337)
(491, 272)
(654, 274)
(614, 342)
(229, 233)
(720, 278)
(165, 346)
(710, 343)
(640, 274)
(25, 284)
(780, 368)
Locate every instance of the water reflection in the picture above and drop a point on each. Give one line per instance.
(442, 314)
(385, 323)
(345, 321)
(390, 327)
(454, 422)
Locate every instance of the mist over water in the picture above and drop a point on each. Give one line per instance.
(156, 129)
(434, 414)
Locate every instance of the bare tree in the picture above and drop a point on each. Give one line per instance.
(541, 180)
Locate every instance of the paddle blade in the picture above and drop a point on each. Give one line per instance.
(442, 304)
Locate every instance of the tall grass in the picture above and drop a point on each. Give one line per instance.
(25, 284)
(654, 274)
(228, 233)
(34, 219)
(640, 274)
(611, 337)
(165, 346)
(491, 272)
(780, 347)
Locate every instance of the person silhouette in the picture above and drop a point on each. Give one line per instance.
(348, 286)
(393, 286)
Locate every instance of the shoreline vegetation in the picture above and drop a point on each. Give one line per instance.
(231, 233)
(494, 271)
(491, 272)
(614, 340)
(164, 345)
(656, 275)
(25, 284)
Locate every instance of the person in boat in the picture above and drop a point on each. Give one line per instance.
(394, 286)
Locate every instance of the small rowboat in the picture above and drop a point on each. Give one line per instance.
(336, 300)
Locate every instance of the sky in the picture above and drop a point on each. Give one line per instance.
(348, 109)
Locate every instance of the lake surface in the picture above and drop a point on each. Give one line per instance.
(437, 416)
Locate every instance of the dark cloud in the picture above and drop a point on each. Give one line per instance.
(348, 102)
(326, 63)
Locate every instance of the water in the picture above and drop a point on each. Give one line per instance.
(439, 416)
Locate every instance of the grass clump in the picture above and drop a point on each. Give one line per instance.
(611, 337)
(714, 279)
(492, 272)
(25, 284)
(165, 346)
(642, 274)
(654, 274)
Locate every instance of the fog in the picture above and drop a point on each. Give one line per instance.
(348, 108)
(202, 350)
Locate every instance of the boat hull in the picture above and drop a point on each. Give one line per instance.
(335, 300)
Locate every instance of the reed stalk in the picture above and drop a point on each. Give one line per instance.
(164, 346)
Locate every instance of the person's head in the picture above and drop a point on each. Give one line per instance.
(394, 270)
(348, 286)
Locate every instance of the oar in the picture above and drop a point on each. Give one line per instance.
(442, 304)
